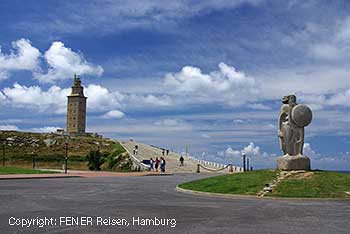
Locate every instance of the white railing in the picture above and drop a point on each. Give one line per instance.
(213, 164)
(137, 162)
(203, 163)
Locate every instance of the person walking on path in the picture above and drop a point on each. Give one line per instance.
(162, 164)
(151, 164)
(167, 152)
(182, 161)
(136, 149)
(156, 164)
(163, 152)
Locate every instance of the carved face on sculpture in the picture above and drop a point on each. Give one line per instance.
(285, 100)
(289, 99)
(292, 99)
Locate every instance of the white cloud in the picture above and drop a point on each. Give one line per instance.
(9, 127)
(225, 86)
(238, 121)
(101, 99)
(3, 75)
(55, 98)
(329, 86)
(314, 101)
(231, 152)
(34, 97)
(47, 129)
(204, 135)
(325, 51)
(157, 101)
(25, 57)
(322, 82)
(320, 101)
(170, 126)
(325, 81)
(326, 162)
(336, 43)
(260, 159)
(323, 42)
(167, 122)
(342, 99)
(258, 106)
(76, 18)
(309, 152)
(63, 63)
(147, 100)
(113, 114)
(252, 150)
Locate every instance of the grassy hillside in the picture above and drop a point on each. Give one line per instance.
(49, 149)
(314, 184)
(248, 183)
(320, 184)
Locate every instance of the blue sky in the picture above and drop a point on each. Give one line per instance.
(204, 74)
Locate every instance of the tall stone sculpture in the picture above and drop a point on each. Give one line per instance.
(292, 119)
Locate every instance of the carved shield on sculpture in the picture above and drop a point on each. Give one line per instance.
(302, 115)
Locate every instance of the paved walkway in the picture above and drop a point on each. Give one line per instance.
(149, 197)
(172, 160)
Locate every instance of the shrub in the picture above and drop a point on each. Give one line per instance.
(118, 161)
(95, 160)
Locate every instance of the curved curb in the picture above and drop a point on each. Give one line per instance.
(208, 194)
(159, 174)
(239, 196)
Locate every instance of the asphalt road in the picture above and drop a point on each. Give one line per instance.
(130, 198)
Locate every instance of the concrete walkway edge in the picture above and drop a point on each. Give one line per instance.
(78, 175)
(239, 196)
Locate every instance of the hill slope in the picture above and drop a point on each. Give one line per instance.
(298, 184)
(49, 149)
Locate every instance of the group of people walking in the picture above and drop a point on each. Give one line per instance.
(154, 164)
(136, 150)
(165, 151)
(158, 163)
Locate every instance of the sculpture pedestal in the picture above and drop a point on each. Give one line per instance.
(299, 162)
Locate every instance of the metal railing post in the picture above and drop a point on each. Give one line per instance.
(3, 153)
(230, 168)
(198, 168)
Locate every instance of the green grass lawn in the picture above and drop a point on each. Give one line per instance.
(119, 148)
(248, 183)
(318, 184)
(15, 170)
(322, 184)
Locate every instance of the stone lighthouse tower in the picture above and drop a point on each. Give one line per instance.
(76, 109)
